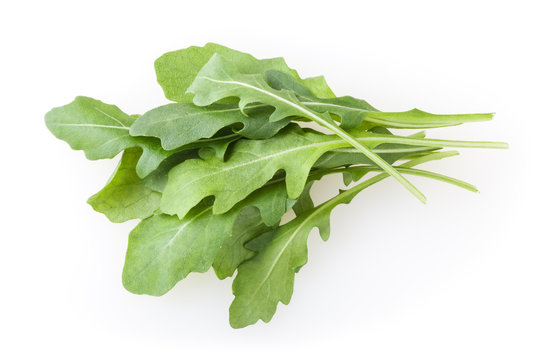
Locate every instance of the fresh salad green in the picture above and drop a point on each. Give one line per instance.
(211, 174)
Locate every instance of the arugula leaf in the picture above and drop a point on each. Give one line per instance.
(268, 277)
(159, 177)
(247, 226)
(418, 119)
(353, 112)
(102, 131)
(181, 124)
(217, 149)
(220, 79)
(319, 87)
(259, 212)
(304, 203)
(126, 196)
(176, 70)
(253, 162)
(163, 249)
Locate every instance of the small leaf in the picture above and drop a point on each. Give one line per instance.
(159, 177)
(351, 111)
(418, 119)
(126, 197)
(218, 150)
(304, 203)
(248, 225)
(319, 87)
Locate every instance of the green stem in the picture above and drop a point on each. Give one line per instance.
(406, 168)
(434, 142)
(376, 159)
(347, 195)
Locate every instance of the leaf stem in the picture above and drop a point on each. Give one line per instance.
(406, 168)
(376, 159)
(348, 195)
(434, 142)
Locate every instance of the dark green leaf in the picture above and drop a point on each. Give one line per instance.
(181, 124)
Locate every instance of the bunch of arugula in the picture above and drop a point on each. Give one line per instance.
(212, 174)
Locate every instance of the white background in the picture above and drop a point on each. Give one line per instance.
(463, 277)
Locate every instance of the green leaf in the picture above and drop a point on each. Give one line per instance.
(126, 197)
(216, 146)
(352, 111)
(220, 79)
(158, 179)
(253, 162)
(215, 149)
(163, 249)
(319, 87)
(418, 119)
(268, 277)
(258, 213)
(250, 165)
(102, 131)
(181, 124)
(304, 203)
(248, 225)
(176, 70)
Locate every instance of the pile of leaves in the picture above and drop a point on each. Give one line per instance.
(211, 174)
